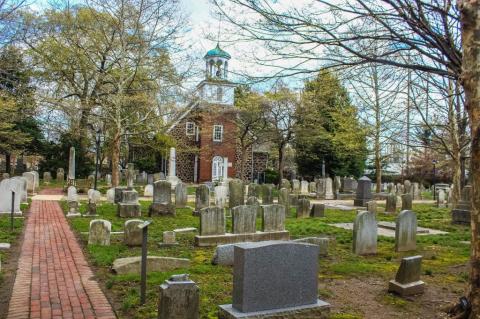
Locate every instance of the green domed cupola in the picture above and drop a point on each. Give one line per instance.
(216, 63)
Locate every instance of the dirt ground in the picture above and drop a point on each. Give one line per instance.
(368, 298)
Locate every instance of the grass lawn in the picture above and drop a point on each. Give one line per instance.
(441, 253)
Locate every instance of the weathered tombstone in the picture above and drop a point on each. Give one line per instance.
(285, 184)
(150, 179)
(132, 234)
(21, 186)
(179, 298)
(60, 175)
(365, 234)
(321, 242)
(283, 199)
(273, 218)
(108, 179)
(162, 200)
(267, 194)
(372, 206)
(30, 177)
(223, 255)
(293, 200)
(221, 196)
(111, 195)
(407, 281)
(71, 165)
(181, 195)
(169, 239)
(94, 197)
(254, 190)
(6, 187)
(72, 194)
(364, 191)
(130, 175)
(337, 185)
(441, 199)
(416, 191)
(407, 187)
(212, 221)
(128, 205)
(318, 210)
(47, 177)
(461, 212)
(275, 279)
(236, 192)
(244, 219)
(406, 231)
(148, 191)
(303, 187)
(172, 168)
(252, 200)
(391, 203)
(303, 208)
(99, 232)
(295, 185)
(312, 187)
(407, 201)
(202, 198)
(328, 188)
(349, 185)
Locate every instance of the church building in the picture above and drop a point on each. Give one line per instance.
(207, 147)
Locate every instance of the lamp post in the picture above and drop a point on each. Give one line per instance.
(98, 137)
(434, 162)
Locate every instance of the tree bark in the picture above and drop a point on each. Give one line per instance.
(455, 140)
(281, 162)
(116, 159)
(470, 79)
(378, 161)
(8, 166)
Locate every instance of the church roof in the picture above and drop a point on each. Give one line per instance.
(217, 52)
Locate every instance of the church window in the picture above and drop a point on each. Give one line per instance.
(219, 93)
(217, 133)
(190, 128)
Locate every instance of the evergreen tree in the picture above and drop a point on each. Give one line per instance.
(328, 129)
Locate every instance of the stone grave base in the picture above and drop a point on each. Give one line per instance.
(160, 209)
(215, 240)
(413, 288)
(345, 195)
(72, 215)
(320, 310)
(128, 210)
(460, 216)
(9, 213)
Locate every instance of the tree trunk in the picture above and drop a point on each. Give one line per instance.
(8, 164)
(116, 159)
(243, 160)
(453, 121)
(378, 161)
(470, 79)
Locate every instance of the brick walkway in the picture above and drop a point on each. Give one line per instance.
(53, 278)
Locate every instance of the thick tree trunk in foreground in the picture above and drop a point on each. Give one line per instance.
(470, 79)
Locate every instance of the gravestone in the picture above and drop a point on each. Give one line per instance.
(236, 193)
(273, 218)
(94, 197)
(130, 175)
(441, 199)
(132, 235)
(416, 191)
(148, 191)
(169, 239)
(223, 255)
(108, 179)
(181, 195)
(202, 198)
(295, 185)
(118, 194)
(407, 187)
(30, 177)
(407, 281)
(21, 186)
(111, 195)
(312, 187)
(365, 234)
(60, 175)
(328, 188)
(72, 194)
(349, 185)
(285, 184)
(337, 185)
(283, 199)
(47, 177)
(244, 219)
(364, 192)
(391, 203)
(372, 206)
(293, 200)
(407, 201)
(99, 232)
(275, 279)
(321, 188)
(179, 298)
(6, 187)
(221, 196)
(303, 208)
(321, 242)
(304, 187)
(212, 221)
(252, 200)
(406, 231)
(267, 194)
(318, 210)
(128, 205)
(162, 200)
(461, 213)
(254, 190)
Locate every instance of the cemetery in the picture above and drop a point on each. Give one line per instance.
(239, 159)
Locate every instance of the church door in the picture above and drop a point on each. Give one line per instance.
(217, 168)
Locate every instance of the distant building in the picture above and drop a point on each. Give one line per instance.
(206, 132)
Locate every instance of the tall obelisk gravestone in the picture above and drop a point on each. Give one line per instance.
(71, 167)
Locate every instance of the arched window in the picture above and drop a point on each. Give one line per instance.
(217, 168)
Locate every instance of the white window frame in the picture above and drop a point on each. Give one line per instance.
(190, 130)
(215, 137)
